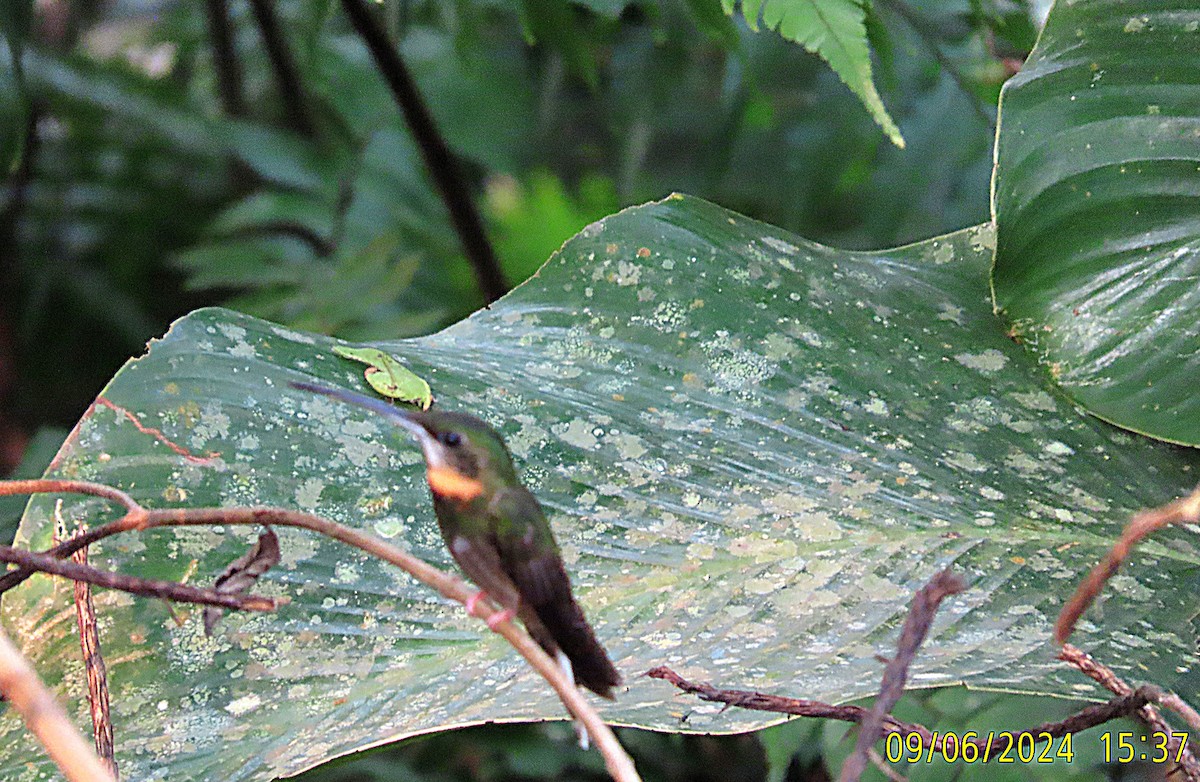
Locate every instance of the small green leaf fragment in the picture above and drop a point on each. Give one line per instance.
(389, 377)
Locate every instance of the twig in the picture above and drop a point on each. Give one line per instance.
(916, 626)
(1094, 669)
(1087, 717)
(148, 587)
(1170, 700)
(1181, 511)
(95, 671)
(619, 764)
(778, 704)
(439, 160)
(20, 685)
(1108, 679)
(67, 547)
(885, 768)
(157, 434)
(225, 61)
(287, 75)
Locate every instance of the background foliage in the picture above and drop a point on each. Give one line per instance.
(136, 193)
(140, 198)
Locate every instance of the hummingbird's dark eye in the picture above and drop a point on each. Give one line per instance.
(450, 439)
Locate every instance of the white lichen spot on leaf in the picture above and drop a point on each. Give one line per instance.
(629, 446)
(213, 425)
(950, 312)
(1035, 400)
(1058, 448)
(243, 705)
(779, 245)
(308, 493)
(1136, 24)
(817, 527)
(576, 432)
(988, 361)
(628, 274)
(734, 367)
(965, 460)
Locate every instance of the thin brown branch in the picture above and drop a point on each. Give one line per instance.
(778, 704)
(147, 587)
(1108, 679)
(1181, 511)
(619, 764)
(157, 434)
(1093, 669)
(226, 65)
(67, 547)
(55, 486)
(94, 669)
(287, 75)
(916, 627)
(22, 688)
(1170, 700)
(439, 160)
(1087, 717)
(885, 768)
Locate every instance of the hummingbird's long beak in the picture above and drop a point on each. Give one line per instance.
(394, 414)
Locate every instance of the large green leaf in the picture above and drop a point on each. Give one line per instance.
(1096, 199)
(752, 449)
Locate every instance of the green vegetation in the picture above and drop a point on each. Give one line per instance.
(753, 447)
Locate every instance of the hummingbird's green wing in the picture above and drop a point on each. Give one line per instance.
(480, 560)
(527, 546)
(532, 560)
(479, 557)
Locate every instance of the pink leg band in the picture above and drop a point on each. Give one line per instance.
(473, 601)
(495, 620)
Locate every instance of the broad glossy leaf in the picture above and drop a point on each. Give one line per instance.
(752, 448)
(1096, 198)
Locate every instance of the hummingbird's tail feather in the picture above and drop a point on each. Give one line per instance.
(558, 621)
(565, 648)
(570, 630)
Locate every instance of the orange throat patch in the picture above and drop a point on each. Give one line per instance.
(449, 484)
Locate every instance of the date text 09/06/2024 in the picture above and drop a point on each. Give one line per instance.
(971, 747)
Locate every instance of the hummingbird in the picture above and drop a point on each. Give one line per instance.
(498, 534)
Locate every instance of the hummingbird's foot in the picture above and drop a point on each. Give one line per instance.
(495, 620)
(473, 601)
